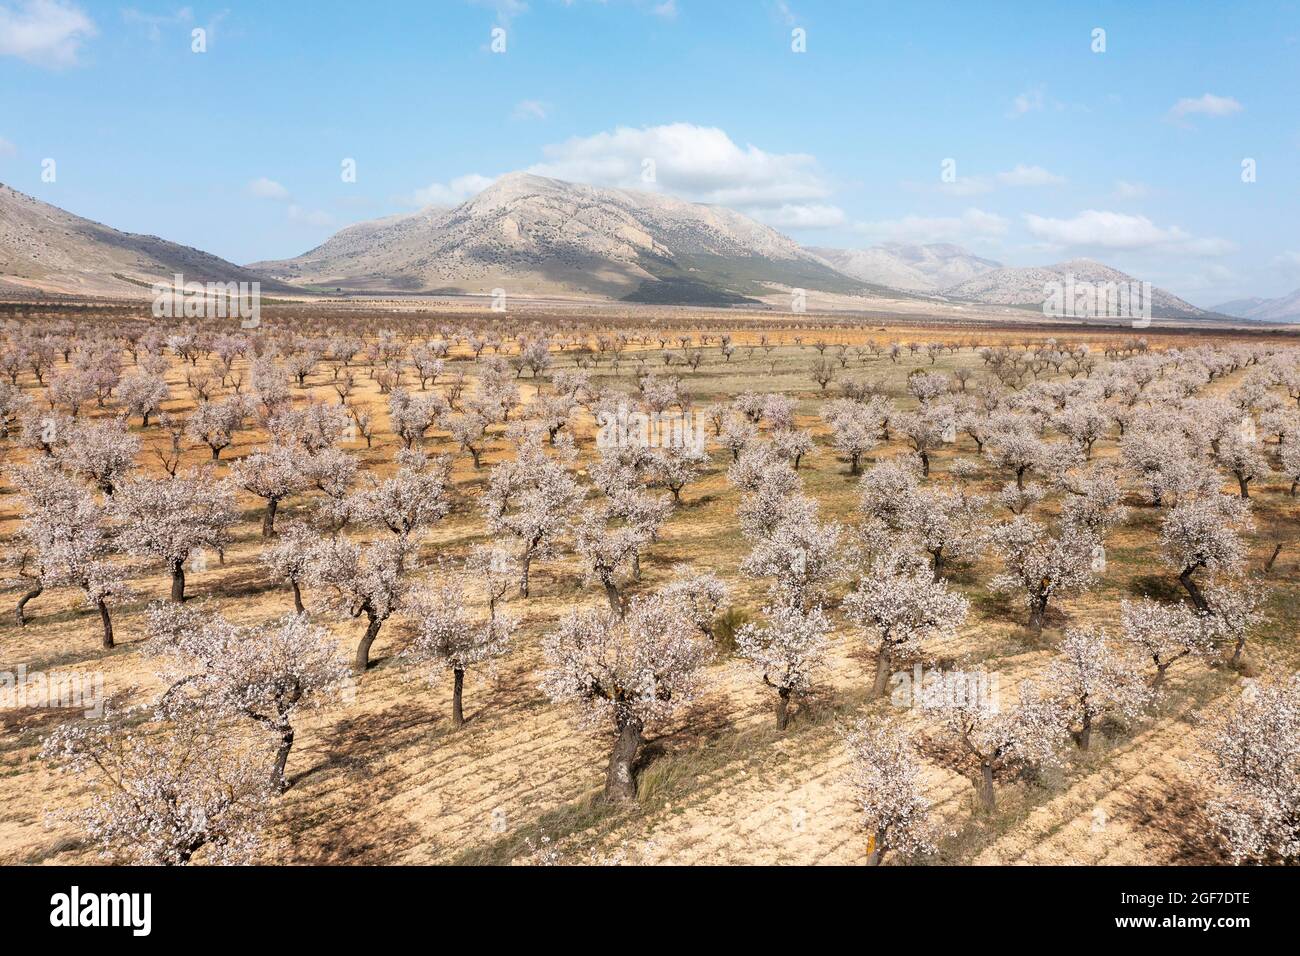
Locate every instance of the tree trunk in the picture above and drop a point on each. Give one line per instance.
(884, 659)
(178, 581)
(278, 781)
(620, 784)
(636, 565)
(107, 622)
(936, 562)
(984, 789)
(297, 596)
(925, 464)
(363, 648)
(268, 519)
(612, 595)
(457, 693)
(1194, 590)
(1268, 565)
(1243, 483)
(877, 848)
(525, 565)
(1037, 612)
(19, 616)
(1084, 737)
(782, 708)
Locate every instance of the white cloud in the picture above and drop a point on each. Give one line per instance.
(310, 217)
(1024, 175)
(667, 9)
(153, 23)
(1021, 175)
(45, 32)
(7, 148)
(264, 188)
(1028, 102)
(973, 224)
(453, 193)
(1100, 229)
(506, 10)
(1130, 190)
(1289, 262)
(792, 216)
(695, 162)
(531, 109)
(1207, 105)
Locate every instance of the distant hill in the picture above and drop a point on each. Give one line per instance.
(1282, 309)
(45, 248)
(533, 235)
(1025, 286)
(931, 267)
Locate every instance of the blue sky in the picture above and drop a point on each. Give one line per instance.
(1132, 156)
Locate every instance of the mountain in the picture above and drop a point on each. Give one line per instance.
(1025, 286)
(532, 235)
(919, 268)
(43, 248)
(1282, 309)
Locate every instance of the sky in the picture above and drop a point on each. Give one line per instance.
(1166, 145)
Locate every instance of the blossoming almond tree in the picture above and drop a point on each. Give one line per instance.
(1040, 565)
(886, 779)
(1164, 633)
(166, 519)
(630, 671)
(1028, 734)
(1090, 679)
(267, 672)
(166, 791)
(369, 580)
(272, 475)
(1203, 533)
(900, 605)
(450, 637)
(786, 651)
(1253, 765)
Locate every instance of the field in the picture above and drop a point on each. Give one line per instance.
(380, 775)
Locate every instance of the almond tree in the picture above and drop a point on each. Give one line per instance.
(357, 580)
(102, 452)
(1040, 565)
(854, 427)
(1243, 460)
(532, 499)
(802, 557)
(1165, 633)
(272, 475)
(1013, 444)
(450, 637)
(630, 671)
(1202, 533)
(700, 595)
(1236, 612)
(167, 519)
(886, 779)
(1089, 680)
(1028, 734)
(900, 606)
(676, 466)
(266, 672)
(411, 499)
(1253, 766)
(143, 393)
(166, 791)
(606, 552)
(214, 423)
(65, 533)
(288, 557)
(786, 651)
